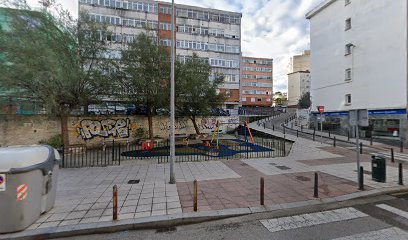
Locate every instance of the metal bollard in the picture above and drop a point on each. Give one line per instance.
(195, 196)
(314, 134)
(273, 127)
(316, 185)
(371, 140)
(401, 146)
(262, 191)
(361, 177)
(361, 148)
(400, 174)
(392, 155)
(334, 141)
(348, 136)
(329, 134)
(301, 128)
(115, 203)
(297, 133)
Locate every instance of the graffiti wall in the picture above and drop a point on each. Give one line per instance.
(95, 130)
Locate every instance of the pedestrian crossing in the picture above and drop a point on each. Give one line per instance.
(397, 156)
(343, 215)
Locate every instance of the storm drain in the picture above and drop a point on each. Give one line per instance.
(283, 167)
(166, 230)
(136, 181)
(303, 178)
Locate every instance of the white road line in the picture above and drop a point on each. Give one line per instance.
(383, 234)
(306, 220)
(394, 210)
(400, 156)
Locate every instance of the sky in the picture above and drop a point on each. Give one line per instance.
(274, 29)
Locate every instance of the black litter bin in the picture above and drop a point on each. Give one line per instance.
(378, 168)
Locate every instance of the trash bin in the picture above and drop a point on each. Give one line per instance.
(378, 168)
(28, 182)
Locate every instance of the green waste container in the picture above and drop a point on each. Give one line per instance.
(378, 168)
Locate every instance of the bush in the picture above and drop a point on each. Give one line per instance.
(55, 141)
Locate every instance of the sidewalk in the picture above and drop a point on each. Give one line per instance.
(225, 188)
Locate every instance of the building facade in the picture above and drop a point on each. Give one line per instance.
(359, 61)
(256, 82)
(298, 77)
(214, 35)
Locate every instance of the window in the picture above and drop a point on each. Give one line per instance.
(348, 99)
(243, 99)
(348, 24)
(349, 48)
(259, 99)
(347, 2)
(253, 99)
(348, 74)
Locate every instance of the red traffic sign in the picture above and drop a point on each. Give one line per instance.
(320, 109)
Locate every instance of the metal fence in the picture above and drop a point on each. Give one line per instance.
(114, 152)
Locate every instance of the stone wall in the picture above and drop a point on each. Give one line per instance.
(23, 130)
(93, 130)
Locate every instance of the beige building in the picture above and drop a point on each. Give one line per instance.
(298, 77)
(213, 34)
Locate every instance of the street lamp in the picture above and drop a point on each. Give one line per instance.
(172, 108)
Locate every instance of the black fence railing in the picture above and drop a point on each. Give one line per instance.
(188, 150)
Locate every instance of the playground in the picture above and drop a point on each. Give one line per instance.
(216, 146)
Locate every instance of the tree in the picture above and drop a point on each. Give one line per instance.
(52, 57)
(196, 93)
(144, 72)
(304, 101)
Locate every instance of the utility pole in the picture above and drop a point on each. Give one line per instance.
(172, 107)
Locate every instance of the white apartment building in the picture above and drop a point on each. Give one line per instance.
(359, 61)
(214, 35)
(298, 77)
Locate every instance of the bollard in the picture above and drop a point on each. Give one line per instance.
(115, 203)
(284, 130)
(195, 196)
(297, 133)
(334, 141)
(329, 134)
(316, 185)
(301, 128)
(401, 146)
(273, 127)
(262, 191)
(371, 140)
(264, 125)
(400, 177)
(348, 136)
(361, 148)
(313, 136)
(361, 177)
(392, 154)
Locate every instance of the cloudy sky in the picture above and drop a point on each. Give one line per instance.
(270, 28)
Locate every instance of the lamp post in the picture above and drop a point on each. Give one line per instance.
(172, 108)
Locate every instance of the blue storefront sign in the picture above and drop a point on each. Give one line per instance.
(370, 112)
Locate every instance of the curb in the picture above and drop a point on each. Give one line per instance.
(166, 221)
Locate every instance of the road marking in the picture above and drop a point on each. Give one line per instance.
(386, 234)
(311, 219)
(394, 210)
(399, 156)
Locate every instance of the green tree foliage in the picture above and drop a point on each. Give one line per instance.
(196, 93)
(52, 57)
(144, 72)
(304, 101)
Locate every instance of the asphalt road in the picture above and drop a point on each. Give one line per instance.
(376, 219)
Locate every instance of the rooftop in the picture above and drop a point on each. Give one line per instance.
(319, 8)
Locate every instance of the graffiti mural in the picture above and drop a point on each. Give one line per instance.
(117, 128)
(180, 124)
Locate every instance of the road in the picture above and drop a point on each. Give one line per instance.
(383, 217)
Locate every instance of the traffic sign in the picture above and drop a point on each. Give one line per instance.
(2, 182)
(320, 109)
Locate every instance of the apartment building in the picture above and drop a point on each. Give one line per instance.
(256, 82)
(359, 61)
(213, 35)
(298, 77)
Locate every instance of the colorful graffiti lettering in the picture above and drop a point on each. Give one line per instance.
(117, 128)
(180, 124)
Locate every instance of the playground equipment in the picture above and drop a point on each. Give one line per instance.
(215, 137)
(249, 131)
(147, 146)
